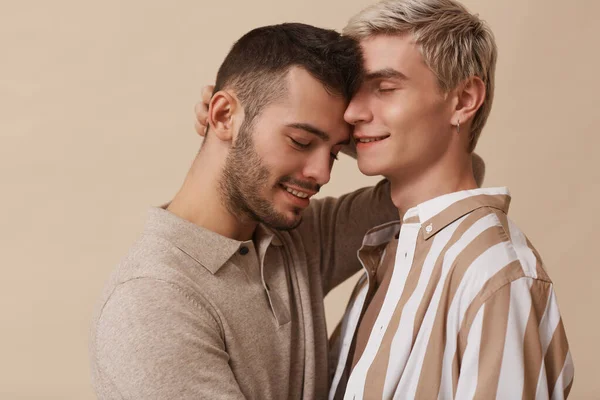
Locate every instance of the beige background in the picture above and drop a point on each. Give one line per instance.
(96, 125)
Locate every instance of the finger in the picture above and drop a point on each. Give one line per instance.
(201, 111)
(200, 129)
(207, 92)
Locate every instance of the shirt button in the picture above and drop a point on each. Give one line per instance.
(244, 250)
(429, 228)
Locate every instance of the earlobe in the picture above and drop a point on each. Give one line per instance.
(220, 114)
(471, 95)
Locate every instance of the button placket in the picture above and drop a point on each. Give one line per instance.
(245, 257)
(278, 306)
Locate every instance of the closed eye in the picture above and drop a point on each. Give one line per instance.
(299, 144)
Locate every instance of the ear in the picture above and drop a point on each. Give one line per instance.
(221, 110)
(470, 96)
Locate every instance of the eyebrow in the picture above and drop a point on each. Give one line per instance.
(386, 73)
(315, 131)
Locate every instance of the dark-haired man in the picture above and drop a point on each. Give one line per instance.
(222, 296)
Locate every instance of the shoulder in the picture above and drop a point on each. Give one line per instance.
(154, 277)
(498, 254)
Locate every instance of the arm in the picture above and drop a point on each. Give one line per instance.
(517, 347)
(333, 229)
(154, 342)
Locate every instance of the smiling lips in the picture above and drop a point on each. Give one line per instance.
(298, 193)
(370, 139)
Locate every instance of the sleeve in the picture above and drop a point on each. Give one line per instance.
(517, 347)
(155, 342)
(333, 229)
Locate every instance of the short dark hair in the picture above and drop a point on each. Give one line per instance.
(258, 62)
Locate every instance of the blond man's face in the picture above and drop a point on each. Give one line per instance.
(402, 118)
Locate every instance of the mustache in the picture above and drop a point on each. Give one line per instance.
(313, 187)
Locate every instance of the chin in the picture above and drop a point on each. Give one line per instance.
(286, 225)
(293, 218)
(284, 220)
(369, 168)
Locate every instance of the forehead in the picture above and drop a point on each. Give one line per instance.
(307, 101)
(399, 52)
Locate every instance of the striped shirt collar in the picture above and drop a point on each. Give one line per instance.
(437, 213)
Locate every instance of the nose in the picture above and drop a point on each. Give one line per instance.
(318, 167)
(357, 111)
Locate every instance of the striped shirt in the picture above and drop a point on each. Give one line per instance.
(469, 312)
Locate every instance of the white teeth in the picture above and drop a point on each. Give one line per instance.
(296, 193)
(369, 140)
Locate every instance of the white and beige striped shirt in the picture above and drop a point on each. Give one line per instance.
(469, 313)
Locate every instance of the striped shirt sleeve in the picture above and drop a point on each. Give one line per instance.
(516, 347)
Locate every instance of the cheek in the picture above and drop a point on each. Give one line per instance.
(283, 161)
(413, 112)
(394, 116)
(399, 114)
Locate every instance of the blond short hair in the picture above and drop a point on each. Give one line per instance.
(455, 44)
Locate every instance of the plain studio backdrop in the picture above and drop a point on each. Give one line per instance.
(96, 125)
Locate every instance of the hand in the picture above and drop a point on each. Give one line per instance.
(201, 110)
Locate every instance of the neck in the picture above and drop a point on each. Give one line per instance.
(449, 174)
(201, 202)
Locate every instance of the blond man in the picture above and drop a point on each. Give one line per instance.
(455, 302)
